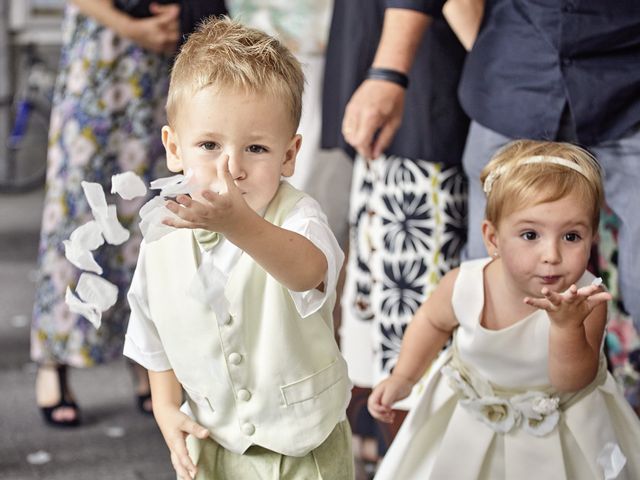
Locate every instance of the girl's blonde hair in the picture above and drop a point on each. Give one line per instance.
(225, 54)
(514, 184)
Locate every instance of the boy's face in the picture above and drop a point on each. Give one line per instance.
(252, 129)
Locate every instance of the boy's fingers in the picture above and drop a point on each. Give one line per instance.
(182, 455)
(189, 426)
(181, 471)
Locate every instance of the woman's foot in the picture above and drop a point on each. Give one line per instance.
(142, 388)
(54, 398)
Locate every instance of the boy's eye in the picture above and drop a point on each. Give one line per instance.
(208, 145)
(572, 237)
(257, 149)
(529, 235)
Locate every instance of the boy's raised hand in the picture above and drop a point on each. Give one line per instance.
(570, 308)
(222, 211)
(175, 426)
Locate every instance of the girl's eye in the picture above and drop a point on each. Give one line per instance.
(572, 237)
(529, 235)
(209, 145)
(257, 149)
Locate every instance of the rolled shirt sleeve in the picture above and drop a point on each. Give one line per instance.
(308, 220)
(142, 343)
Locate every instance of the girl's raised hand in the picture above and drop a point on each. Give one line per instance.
(570, 308)
(222, 211)
(385, 394)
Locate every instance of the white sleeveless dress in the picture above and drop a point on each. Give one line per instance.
(488, 412)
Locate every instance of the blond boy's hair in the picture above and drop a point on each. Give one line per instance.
(520, 184)
(227, 55)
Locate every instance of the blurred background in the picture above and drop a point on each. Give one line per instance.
(116, 442)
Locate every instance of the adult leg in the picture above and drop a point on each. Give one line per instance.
(620, 161)
(481, 144)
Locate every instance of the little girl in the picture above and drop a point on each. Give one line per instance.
(522, 392)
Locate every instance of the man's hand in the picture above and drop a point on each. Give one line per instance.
(175, 426)
(373, 116)
(385, 394)
(570, 308)
(222, 212)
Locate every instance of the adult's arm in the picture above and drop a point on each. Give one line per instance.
(159, 33)
(464, 18)
(374, 112)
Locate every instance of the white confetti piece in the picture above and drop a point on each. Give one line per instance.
(39, 458)
(114, 432)
(207, 287)
(87, 236)
(105, 215)
(612, 460)
(19, 321)
(114, 233)
(175, 185)
(128, 185)
(80, 257)
(597, 282)
(88, 311)
(97, 291)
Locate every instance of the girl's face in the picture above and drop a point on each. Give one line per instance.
(546, 245)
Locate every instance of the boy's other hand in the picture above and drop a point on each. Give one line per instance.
(222, 212)
(175, 426)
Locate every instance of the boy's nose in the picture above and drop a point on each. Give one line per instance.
(236, 167)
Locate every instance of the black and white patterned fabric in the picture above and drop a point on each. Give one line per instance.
(407, 228)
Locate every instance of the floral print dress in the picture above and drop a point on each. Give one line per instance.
(107, 114)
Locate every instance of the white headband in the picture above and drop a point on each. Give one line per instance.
(502, 169)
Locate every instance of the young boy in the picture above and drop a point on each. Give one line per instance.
(235, 305)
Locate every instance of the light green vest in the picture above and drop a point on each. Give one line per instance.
(262, 376)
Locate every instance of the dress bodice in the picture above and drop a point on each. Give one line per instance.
(516, 356)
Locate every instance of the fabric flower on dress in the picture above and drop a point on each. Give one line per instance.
(535, 411)
(495, 412)
(539, 412)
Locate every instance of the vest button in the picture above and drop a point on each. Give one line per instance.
(248, 428)
(244, 395)
(235, 358)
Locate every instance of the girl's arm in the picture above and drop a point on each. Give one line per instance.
(578, 318)
(159, 33)
(166, 395)
(423, 340)
(574, 351)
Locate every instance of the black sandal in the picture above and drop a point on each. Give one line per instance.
(65, 401)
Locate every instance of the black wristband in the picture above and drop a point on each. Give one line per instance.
(393, 76)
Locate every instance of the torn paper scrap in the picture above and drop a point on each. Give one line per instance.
(207, 287)
(95, 197)
(151, 224)
(105, 215)
(174, 185)
(90, 312)
(612, 460)
(80, 257)
(97, 291)
(597, 282)
(114, 233)
(39, 458)
(87, 236)
(128, 185)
